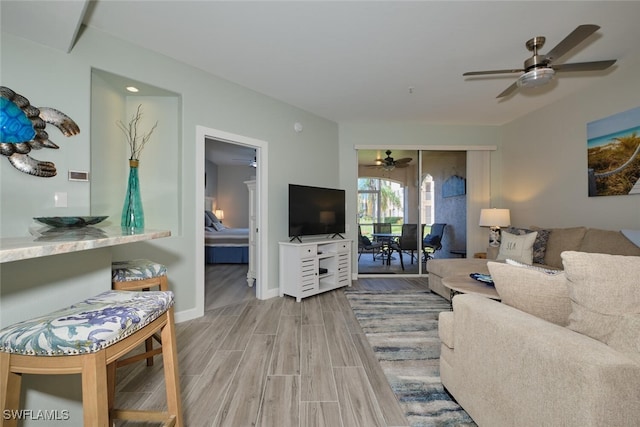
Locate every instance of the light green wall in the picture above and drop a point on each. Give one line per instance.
(52, 78)
(545, 158)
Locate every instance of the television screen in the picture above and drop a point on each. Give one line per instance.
(315, 210)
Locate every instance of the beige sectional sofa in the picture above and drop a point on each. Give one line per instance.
(580, 239)
(559, 350)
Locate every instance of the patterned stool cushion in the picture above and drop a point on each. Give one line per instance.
(137, 269)
(88, 326)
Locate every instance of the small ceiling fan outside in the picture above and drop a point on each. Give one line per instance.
(539, 69)
(249, 162)
(389, 164)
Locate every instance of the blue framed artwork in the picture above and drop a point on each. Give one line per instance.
(454, 186)
(613, 153)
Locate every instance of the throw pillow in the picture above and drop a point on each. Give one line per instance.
(539, 293)
(218, 226)
(519, 248)
(603, 289)
(212, 217)
(560, 240)
(539, 245)
(207, 220)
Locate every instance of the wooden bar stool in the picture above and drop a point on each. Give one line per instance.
(88, 338)
(139, 275)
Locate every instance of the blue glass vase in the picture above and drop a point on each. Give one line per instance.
(132, 212)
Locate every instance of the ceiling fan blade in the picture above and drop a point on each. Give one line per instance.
(572, 40)
(403, 160)
(509, 90)
(483, 73)
(585, 66)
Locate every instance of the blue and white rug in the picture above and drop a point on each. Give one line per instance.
(402, 329)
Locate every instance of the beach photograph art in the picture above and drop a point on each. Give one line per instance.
(613, 148)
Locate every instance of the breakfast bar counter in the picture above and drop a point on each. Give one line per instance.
(53, 241)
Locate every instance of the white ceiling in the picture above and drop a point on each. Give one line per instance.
(356, 60)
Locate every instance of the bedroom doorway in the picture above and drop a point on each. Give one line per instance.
(230, 176)
(227, 164)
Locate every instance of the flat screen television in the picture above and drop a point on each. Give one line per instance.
(316, 210)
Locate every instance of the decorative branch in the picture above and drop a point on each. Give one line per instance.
(136, 143)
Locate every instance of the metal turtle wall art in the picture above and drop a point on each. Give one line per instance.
(22, 130)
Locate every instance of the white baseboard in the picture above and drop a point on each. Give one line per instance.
(272, 293)
(186, 315)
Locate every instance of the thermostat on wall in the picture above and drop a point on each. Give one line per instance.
(78, 176)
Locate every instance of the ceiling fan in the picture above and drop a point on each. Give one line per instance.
(252, 163)
(389, 164)
(539, 69)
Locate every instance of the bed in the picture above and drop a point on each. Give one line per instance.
(224, 245)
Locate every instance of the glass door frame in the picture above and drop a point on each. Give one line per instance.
(406, 212)
(478, 187)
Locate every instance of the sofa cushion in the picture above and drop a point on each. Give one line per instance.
(560, 240)
(626, 337)
(454, 266)
(519, 248)
(605, 295)
(541, 293)
(539, 245)
(608, 242)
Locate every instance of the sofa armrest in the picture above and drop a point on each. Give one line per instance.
(445, 328)
(521, 370)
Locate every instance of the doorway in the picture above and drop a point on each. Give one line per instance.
(245, 147)
(230, 173)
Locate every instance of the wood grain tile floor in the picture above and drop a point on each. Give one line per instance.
(274, 363)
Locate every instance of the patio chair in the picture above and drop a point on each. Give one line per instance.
(366, 245)
(381, 227)
(408, 242)
(432, 242)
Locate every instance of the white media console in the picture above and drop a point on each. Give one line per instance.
(309, 268)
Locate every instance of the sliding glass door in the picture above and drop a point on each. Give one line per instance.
(400, 195)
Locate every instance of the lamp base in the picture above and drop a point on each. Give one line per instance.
(494, 237)
(492, 252)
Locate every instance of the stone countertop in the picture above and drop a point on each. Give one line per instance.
(52, 241)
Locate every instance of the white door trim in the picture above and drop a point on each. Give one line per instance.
(262, 237)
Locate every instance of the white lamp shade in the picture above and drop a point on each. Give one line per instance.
(495, 217)
(219, 213)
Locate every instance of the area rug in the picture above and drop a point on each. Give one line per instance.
(402, 329)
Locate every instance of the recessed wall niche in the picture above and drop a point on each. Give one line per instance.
(160, 162)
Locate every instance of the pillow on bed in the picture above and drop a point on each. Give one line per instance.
(211, 218)
(218, 226)
(207, 220)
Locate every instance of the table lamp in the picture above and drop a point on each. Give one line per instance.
(494, 218)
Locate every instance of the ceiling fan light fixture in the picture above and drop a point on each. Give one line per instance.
(536, 77)
(388, 167)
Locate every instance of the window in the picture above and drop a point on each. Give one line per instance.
(380, 200)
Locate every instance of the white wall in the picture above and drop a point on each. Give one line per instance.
(545, 159)
(233, 194)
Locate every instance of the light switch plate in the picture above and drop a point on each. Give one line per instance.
(60, 200)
